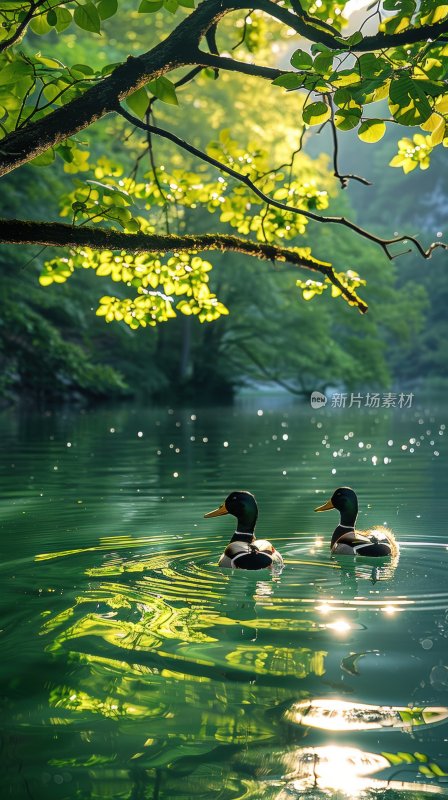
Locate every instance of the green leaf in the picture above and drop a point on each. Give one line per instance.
(40, 25)
(64, 19)
(164, 89)
(354, 39)
(342, 97)
(186, 3)
(372, 130)
(291, 80)
(402, 6)
(107, 8)
(84, 69)
(87, 18)
(346, 77)
(350, 41)
(347, 118)
(52, 17)
(44, 159)
(149, 6)
(371, 65)
(316, 113)
(430, 87)
(15, 71)
(138, 102)
(407, 102)
(301, 60)
(323, 63)
(171, 5)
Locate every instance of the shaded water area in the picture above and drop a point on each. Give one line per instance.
(133, 667)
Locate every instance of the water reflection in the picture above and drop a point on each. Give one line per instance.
(344, 770)
(339, 715)
(133, 667)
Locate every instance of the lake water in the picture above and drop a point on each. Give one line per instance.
(133, 667)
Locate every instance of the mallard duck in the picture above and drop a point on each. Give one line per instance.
(243, 550)
(346, 540)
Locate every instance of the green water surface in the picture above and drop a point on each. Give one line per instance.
(131, 666)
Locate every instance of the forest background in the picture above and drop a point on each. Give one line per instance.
(55, 347)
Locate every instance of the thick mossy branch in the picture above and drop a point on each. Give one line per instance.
(180, 48)
(58, 234)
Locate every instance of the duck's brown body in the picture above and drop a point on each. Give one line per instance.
(346, 540)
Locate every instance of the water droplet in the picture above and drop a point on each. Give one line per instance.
(260, 412)
(140, 434)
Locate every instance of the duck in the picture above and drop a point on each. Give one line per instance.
(346, 540)
(244, 551)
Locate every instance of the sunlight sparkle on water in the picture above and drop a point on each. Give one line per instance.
(340, 626)
(324, 608)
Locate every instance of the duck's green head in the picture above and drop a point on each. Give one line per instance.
(345, 501)
(241, 505)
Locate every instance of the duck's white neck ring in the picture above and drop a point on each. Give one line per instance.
(239, 533)
(349, 527)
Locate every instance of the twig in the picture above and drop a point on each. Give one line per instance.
(343, 179)
(241, 41)
(383, 243)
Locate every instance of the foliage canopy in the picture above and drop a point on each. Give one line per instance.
(149, 229)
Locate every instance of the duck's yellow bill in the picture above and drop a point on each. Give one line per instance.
(218, 512)
(326, 506)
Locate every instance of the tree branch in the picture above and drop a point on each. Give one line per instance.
(179, 49)
(58, 234)
(6, 43)
(308, 27)
(383, 243)
(242, 67)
